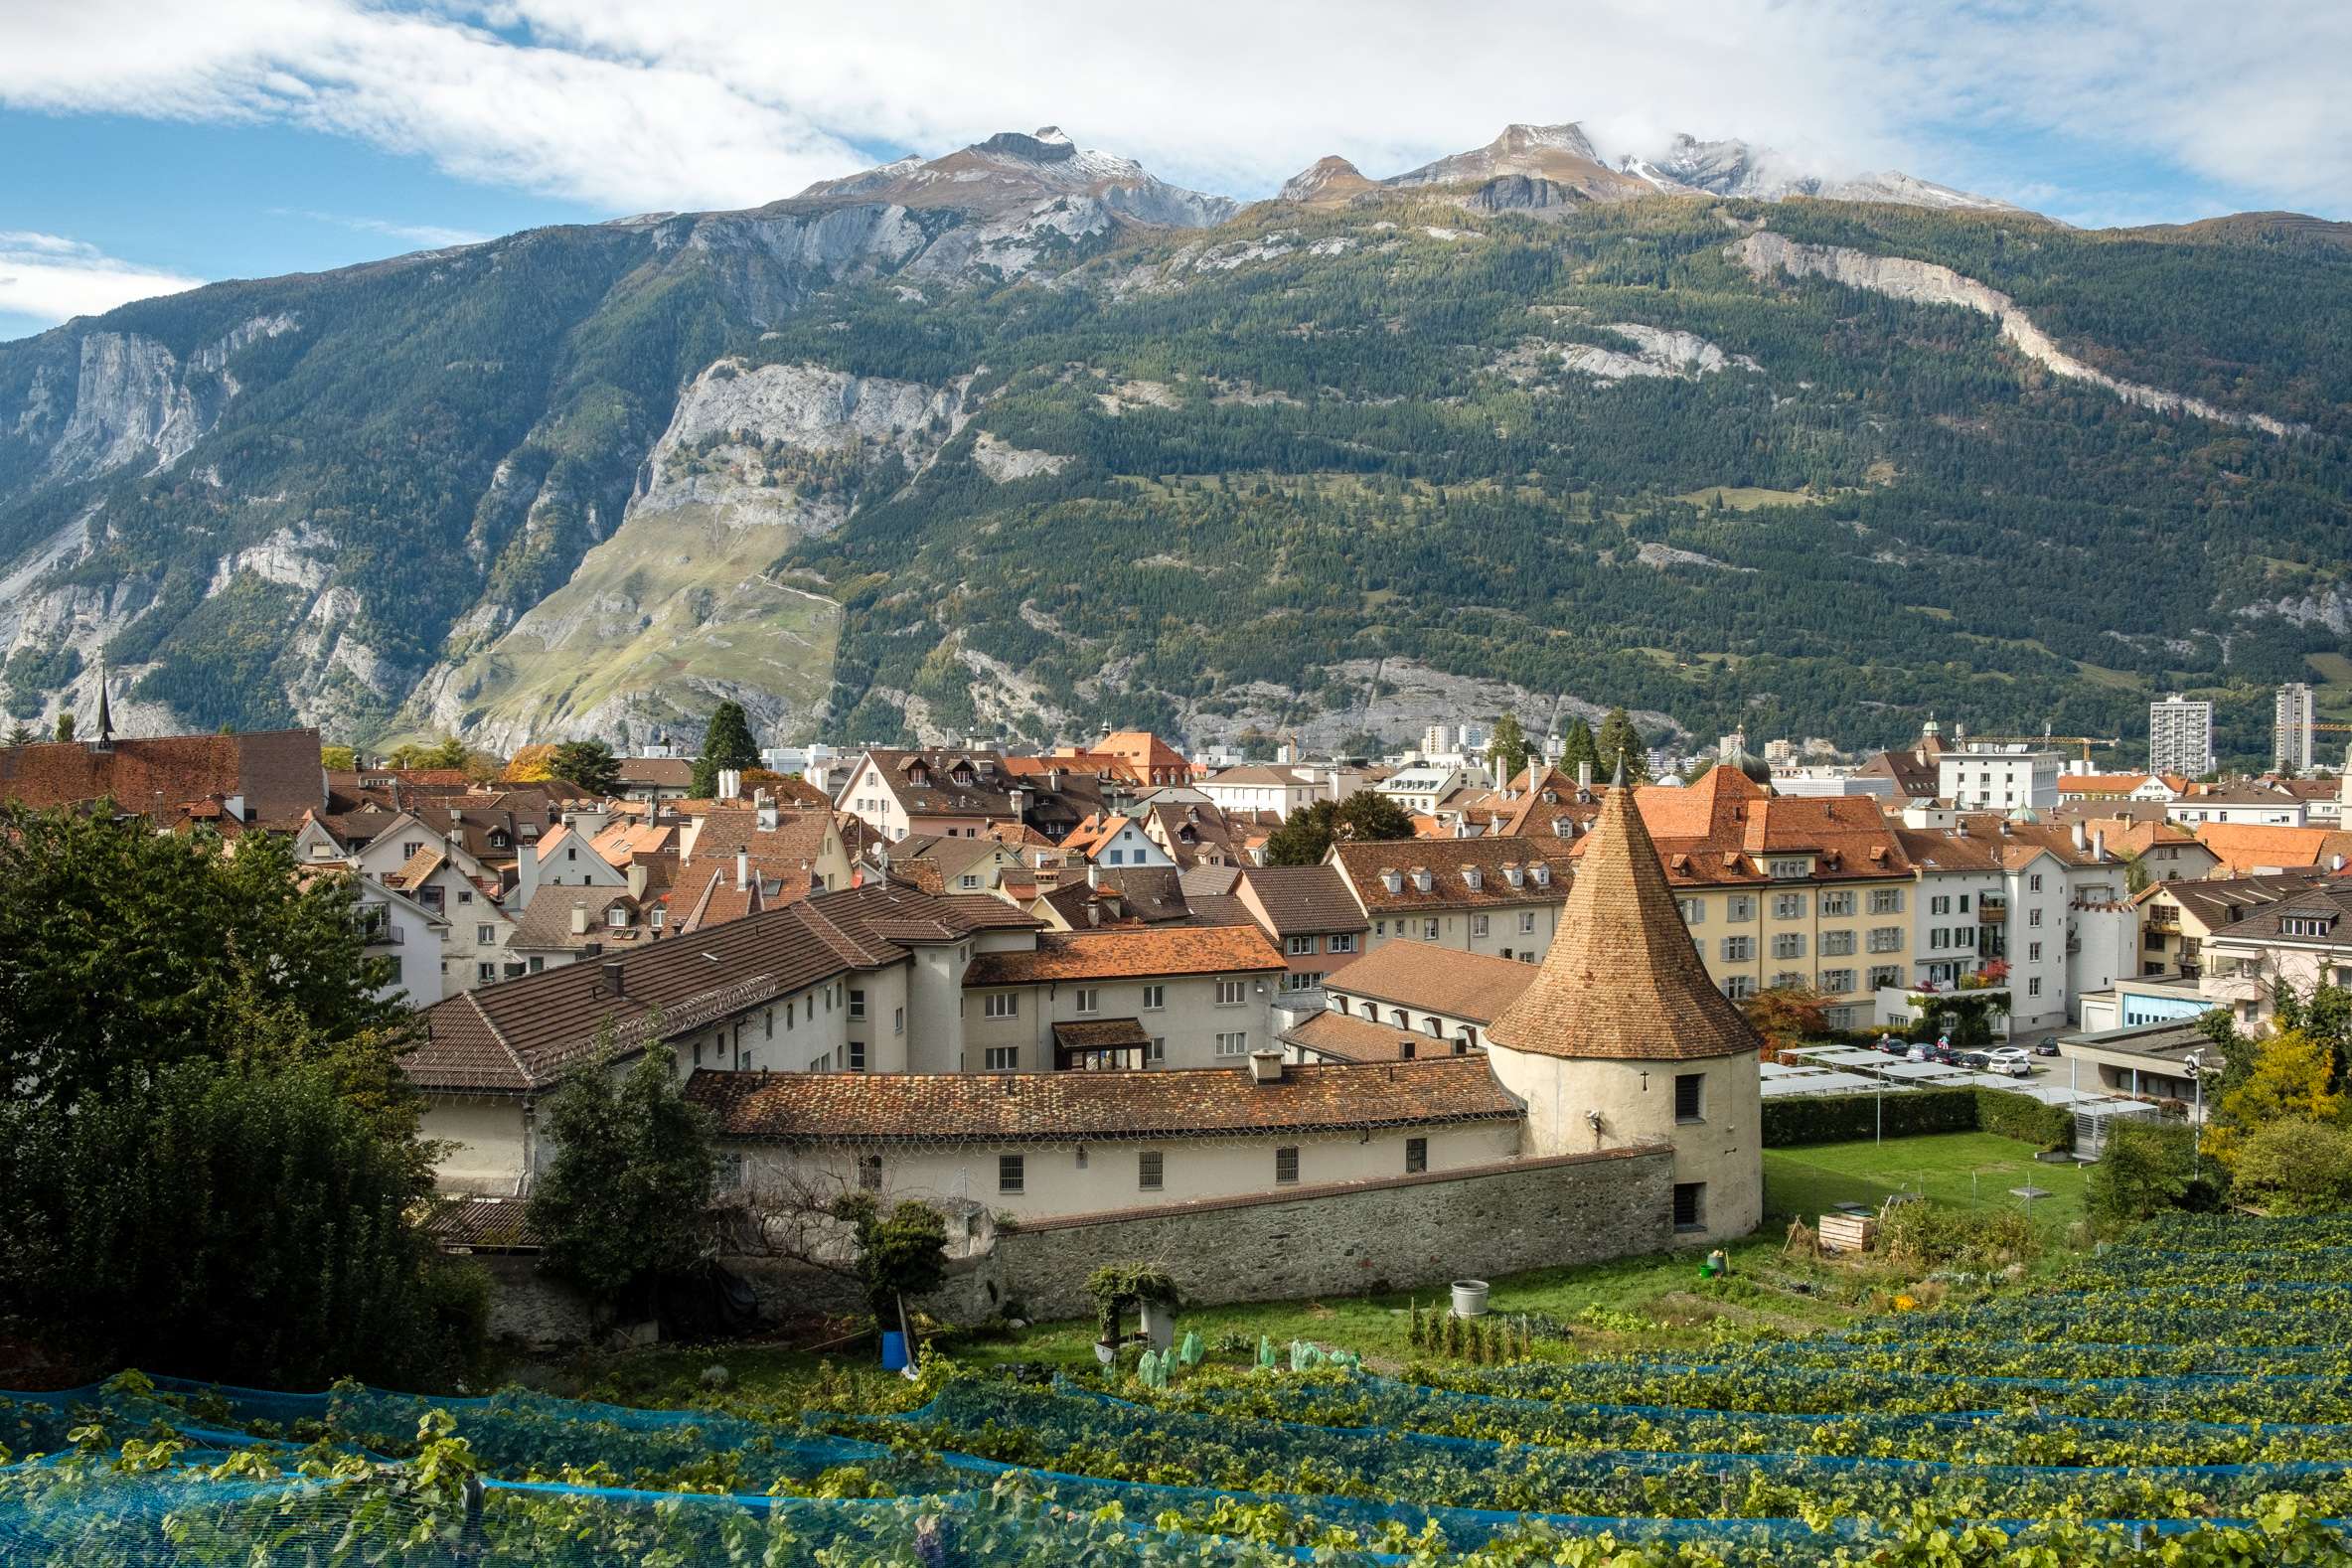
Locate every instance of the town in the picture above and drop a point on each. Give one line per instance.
(1529, 787)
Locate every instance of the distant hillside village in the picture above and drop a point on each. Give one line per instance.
(1114, 985)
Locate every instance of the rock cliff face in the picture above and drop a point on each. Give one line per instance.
(129, 402)
(1764, 253)
(679, 608)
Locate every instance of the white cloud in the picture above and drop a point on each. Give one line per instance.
(49, 278)
(431, 235)
(624, 105)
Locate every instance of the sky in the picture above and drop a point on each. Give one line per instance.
(149, 147)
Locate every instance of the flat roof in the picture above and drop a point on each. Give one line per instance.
(2167, 1040)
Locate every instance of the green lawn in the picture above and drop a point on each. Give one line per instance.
(1967, 1170)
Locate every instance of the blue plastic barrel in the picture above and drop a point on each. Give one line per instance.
(893, 1350)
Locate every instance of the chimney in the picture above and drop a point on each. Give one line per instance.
(1265, 1067)
(1053, 781)
(767, 810)
(742, 867)
(731, 783)
(2099, 844)
(579, 919)
(1020, 804)
(2082, 839)
(614, 984)
(1094, 874)
(1584, 775)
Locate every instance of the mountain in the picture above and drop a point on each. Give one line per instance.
(1326, 180)
(1022, 439)
(1734, 168)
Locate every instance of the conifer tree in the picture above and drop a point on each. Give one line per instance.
(1620, 744)
(728, 743)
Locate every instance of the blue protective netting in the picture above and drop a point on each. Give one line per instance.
(2170, 1428)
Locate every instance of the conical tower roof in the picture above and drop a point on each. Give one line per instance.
(1623, 982)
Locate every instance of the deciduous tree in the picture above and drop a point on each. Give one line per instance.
(624, 1199)
(228, 1221)
(902, 1253)
(122, 951)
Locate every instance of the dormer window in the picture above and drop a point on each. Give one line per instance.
(1541, 873)
(1421, 879)
(961, 775)
(2304, 925)
(1472, 877)
(617, 918)
(1393, 880)
(1788, 867)
(1516, 874)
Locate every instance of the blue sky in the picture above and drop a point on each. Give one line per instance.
(147, 147)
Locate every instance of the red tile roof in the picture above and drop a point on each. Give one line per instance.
(277, 772)
(1055, 1107)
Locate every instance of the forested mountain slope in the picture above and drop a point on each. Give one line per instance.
(882, 464)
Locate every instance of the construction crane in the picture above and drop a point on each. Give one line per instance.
(1962, 738)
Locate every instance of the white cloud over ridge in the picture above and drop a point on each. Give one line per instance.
(49, 278)
(626, 106)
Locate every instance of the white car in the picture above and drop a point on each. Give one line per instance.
(2014, 1060)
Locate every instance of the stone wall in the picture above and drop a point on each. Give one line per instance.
(1395, 1233)
(1347, 1239)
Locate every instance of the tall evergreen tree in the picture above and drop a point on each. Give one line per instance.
(587, 765)
(728, 743)
(1620, 745)
(65, 729)
(1578, 746)
(1508, 751)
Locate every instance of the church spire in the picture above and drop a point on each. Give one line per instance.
(105, 712)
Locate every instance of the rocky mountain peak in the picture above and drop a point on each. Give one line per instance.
(1325, 180)
(1048, 145)
(1012, 171)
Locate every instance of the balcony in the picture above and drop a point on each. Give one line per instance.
(383, 934)
(1992, 911)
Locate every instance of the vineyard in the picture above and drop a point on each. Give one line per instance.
(2183, 1399)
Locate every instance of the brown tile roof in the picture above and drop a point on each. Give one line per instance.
(2099, 783)
(524, 1033)
(657, 772)
(939, 795)
(277, 771)
(547, 925)
(2327, 901)
(1100, 1033)
(1303, 900)
(1343, 1038)
(2222, 901)
(1424, 976)
(1128, 954)
(1445, 860)
(1623, 981)
(1053, 1107)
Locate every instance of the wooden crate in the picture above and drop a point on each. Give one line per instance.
(1848, 1233)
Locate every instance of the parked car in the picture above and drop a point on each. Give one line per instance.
(1973, 1058)
(2011, 1059)
(2047, 1047)
(1916, 1054)
(1894, 1046)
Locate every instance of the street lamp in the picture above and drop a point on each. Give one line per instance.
(2195, 1062)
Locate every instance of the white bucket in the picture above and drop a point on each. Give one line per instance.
(1469, 1297)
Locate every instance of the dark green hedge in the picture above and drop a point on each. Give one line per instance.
(1846, 1118)
(2023, 1118)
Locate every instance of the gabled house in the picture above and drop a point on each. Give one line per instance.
(949, 794)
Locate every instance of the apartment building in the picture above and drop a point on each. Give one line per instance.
(1497, 897)
(2180, 736)
(1787, 891)
(2292, 713)
(1998, 778)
